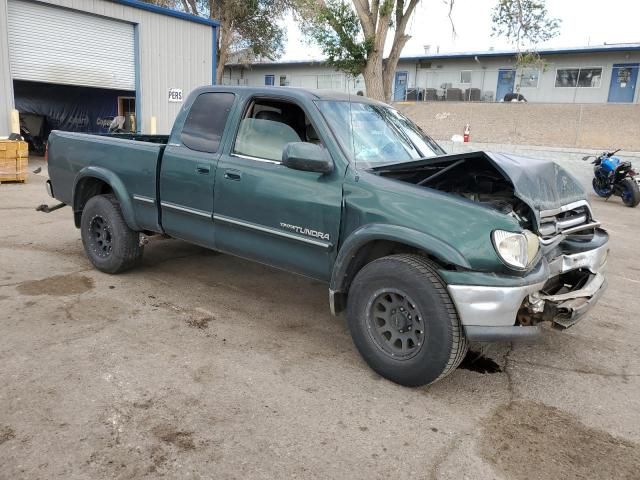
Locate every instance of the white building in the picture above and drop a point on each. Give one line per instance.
(89, 60)
(597, 74)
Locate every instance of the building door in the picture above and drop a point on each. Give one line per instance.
(400, 89)
(623, 82)
(127, 109)
(269, 80)
(506, 81)
(56, 45)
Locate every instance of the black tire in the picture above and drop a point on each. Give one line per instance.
(110, 245)
(630, 192)
(430, 356)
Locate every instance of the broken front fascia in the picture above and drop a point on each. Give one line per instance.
(490, 313)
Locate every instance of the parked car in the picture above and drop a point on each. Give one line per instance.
(424, 251)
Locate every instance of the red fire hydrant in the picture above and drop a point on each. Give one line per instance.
(467, 133)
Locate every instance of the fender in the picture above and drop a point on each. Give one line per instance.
(380, 231)
(119, 190)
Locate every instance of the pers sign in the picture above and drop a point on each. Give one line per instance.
(175, 95)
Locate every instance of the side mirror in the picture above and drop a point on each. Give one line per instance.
(307, 157)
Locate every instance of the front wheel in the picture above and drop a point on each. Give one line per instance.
(630, 192)
(110, 245)
(403, 321)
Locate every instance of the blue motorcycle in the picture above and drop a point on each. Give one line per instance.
(613, 176)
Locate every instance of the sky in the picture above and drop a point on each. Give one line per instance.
(584, 22)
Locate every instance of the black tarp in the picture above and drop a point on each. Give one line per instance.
(69, 108)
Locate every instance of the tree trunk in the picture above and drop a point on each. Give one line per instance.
(373, 79)
(391, 63)
(225, 35)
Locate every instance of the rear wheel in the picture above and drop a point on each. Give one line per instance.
(630, 192)
(403, 321)
(109, 243)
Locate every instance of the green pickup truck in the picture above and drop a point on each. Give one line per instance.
(424, 251)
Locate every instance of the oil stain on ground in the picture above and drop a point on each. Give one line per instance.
(6, 434)
(477, 362)
(527, 440)
(58, 285)
(169, 434)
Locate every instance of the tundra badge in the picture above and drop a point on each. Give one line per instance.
(305, 231)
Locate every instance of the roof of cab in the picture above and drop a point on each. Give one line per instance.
(295, 92)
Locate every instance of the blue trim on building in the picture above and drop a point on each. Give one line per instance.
(214, 56)
(461, 55)
(136, 54)
(548, 51)
(166, 11)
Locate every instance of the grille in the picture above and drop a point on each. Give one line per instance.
(567, 219)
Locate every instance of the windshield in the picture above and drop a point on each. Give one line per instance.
(374, 135)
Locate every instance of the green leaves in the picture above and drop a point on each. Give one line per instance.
(257, 30)
(524, 22)
(336, 29)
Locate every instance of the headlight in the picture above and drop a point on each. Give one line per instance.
(516, 249)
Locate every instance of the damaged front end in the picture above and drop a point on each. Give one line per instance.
(566, 280)
(575, 250)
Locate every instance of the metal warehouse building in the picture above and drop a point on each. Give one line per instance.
(77, 64)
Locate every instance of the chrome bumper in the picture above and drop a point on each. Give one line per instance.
(489, 313)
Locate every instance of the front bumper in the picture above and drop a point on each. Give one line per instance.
(490, 313)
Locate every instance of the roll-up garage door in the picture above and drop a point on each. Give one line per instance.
(56, 45)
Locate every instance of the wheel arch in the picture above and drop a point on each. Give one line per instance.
(92, 181)
(374, 241)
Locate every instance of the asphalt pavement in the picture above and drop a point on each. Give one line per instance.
(202, 365)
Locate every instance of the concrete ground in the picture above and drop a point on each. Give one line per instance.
(200, 365)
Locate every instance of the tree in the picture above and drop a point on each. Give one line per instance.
(353, 34)
(245, 25)
(525, 23)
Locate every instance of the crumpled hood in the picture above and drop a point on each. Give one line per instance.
(541, 184)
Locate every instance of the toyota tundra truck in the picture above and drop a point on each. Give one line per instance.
(424, 251)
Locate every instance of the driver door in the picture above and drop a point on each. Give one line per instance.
(268, 212)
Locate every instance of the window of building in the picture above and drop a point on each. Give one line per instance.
(529, 77)
(207, 118)
(465, 76)
(269, 80)
(283, 81)
(590, 77)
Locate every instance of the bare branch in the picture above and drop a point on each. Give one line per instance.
(451, 3)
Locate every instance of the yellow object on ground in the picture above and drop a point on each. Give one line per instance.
(14, 161)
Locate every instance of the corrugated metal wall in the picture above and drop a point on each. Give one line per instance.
(173, 53)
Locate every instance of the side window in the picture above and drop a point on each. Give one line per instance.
(268, 125)
(207, 118)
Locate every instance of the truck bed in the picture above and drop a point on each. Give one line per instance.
(134, 158)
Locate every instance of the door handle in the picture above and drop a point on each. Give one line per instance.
(202, 169)
(232, 175)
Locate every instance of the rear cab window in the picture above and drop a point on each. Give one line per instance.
(206, 121)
